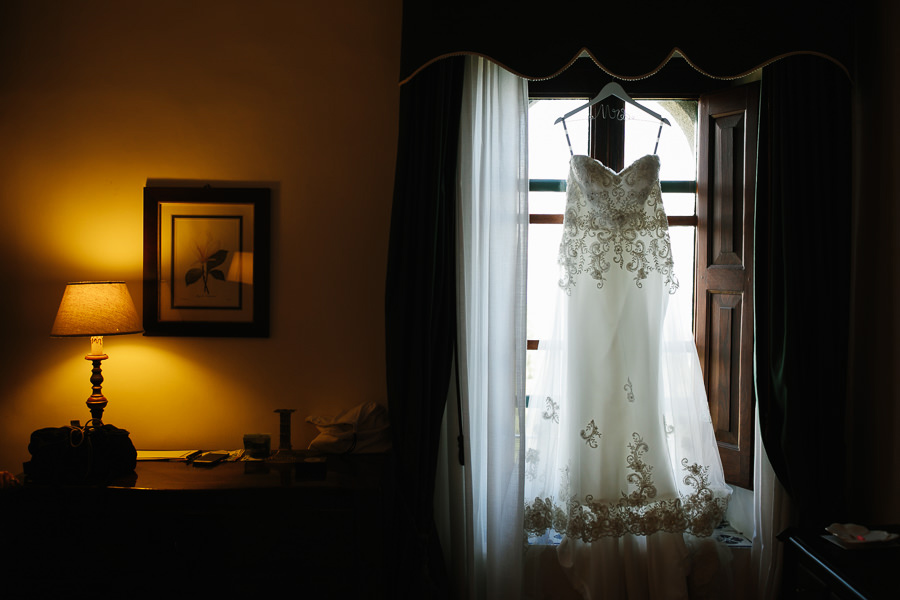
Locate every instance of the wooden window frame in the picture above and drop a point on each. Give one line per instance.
(723, 300)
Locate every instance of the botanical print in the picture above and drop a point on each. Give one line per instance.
(199, 260)
(209, 256)
(201, 246)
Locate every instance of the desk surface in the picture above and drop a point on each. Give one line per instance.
(179, 475)
(359, 471)
(869, 572)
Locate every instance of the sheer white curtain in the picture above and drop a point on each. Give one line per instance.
(482, 501)
(771, 508)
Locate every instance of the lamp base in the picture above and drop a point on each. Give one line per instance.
(97, 401)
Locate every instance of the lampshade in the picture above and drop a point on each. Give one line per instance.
(241, 269)
(92, 308)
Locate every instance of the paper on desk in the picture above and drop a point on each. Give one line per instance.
(165, 454)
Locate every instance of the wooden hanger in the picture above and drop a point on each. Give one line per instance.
(612, 89)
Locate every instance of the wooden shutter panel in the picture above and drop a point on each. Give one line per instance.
(724, 292)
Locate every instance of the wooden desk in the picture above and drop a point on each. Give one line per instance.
(234, 530)
(815, 568)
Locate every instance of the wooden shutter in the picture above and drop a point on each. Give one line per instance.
(724, 292)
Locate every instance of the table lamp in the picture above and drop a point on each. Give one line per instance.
(95, 309)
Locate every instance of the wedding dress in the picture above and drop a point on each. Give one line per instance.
(619, 441)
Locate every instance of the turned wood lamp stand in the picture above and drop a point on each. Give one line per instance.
(97, 401)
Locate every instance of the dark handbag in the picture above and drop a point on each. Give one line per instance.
(74, 454)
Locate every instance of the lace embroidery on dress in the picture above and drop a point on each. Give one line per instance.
(629, 391)
(532, 458)
(591, 435)
(551, 413)
(607, 219)
(637, 513)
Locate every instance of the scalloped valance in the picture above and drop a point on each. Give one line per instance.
(630, 40)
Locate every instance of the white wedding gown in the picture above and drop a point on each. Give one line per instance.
(619, 442)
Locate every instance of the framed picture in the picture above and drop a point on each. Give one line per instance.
(206, 261)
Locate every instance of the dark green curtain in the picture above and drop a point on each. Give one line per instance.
(420, 317)
(802, 280)
(723, 39)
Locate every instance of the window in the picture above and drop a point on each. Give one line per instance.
(707, 160)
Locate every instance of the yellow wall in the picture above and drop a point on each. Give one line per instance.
(98, 97)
